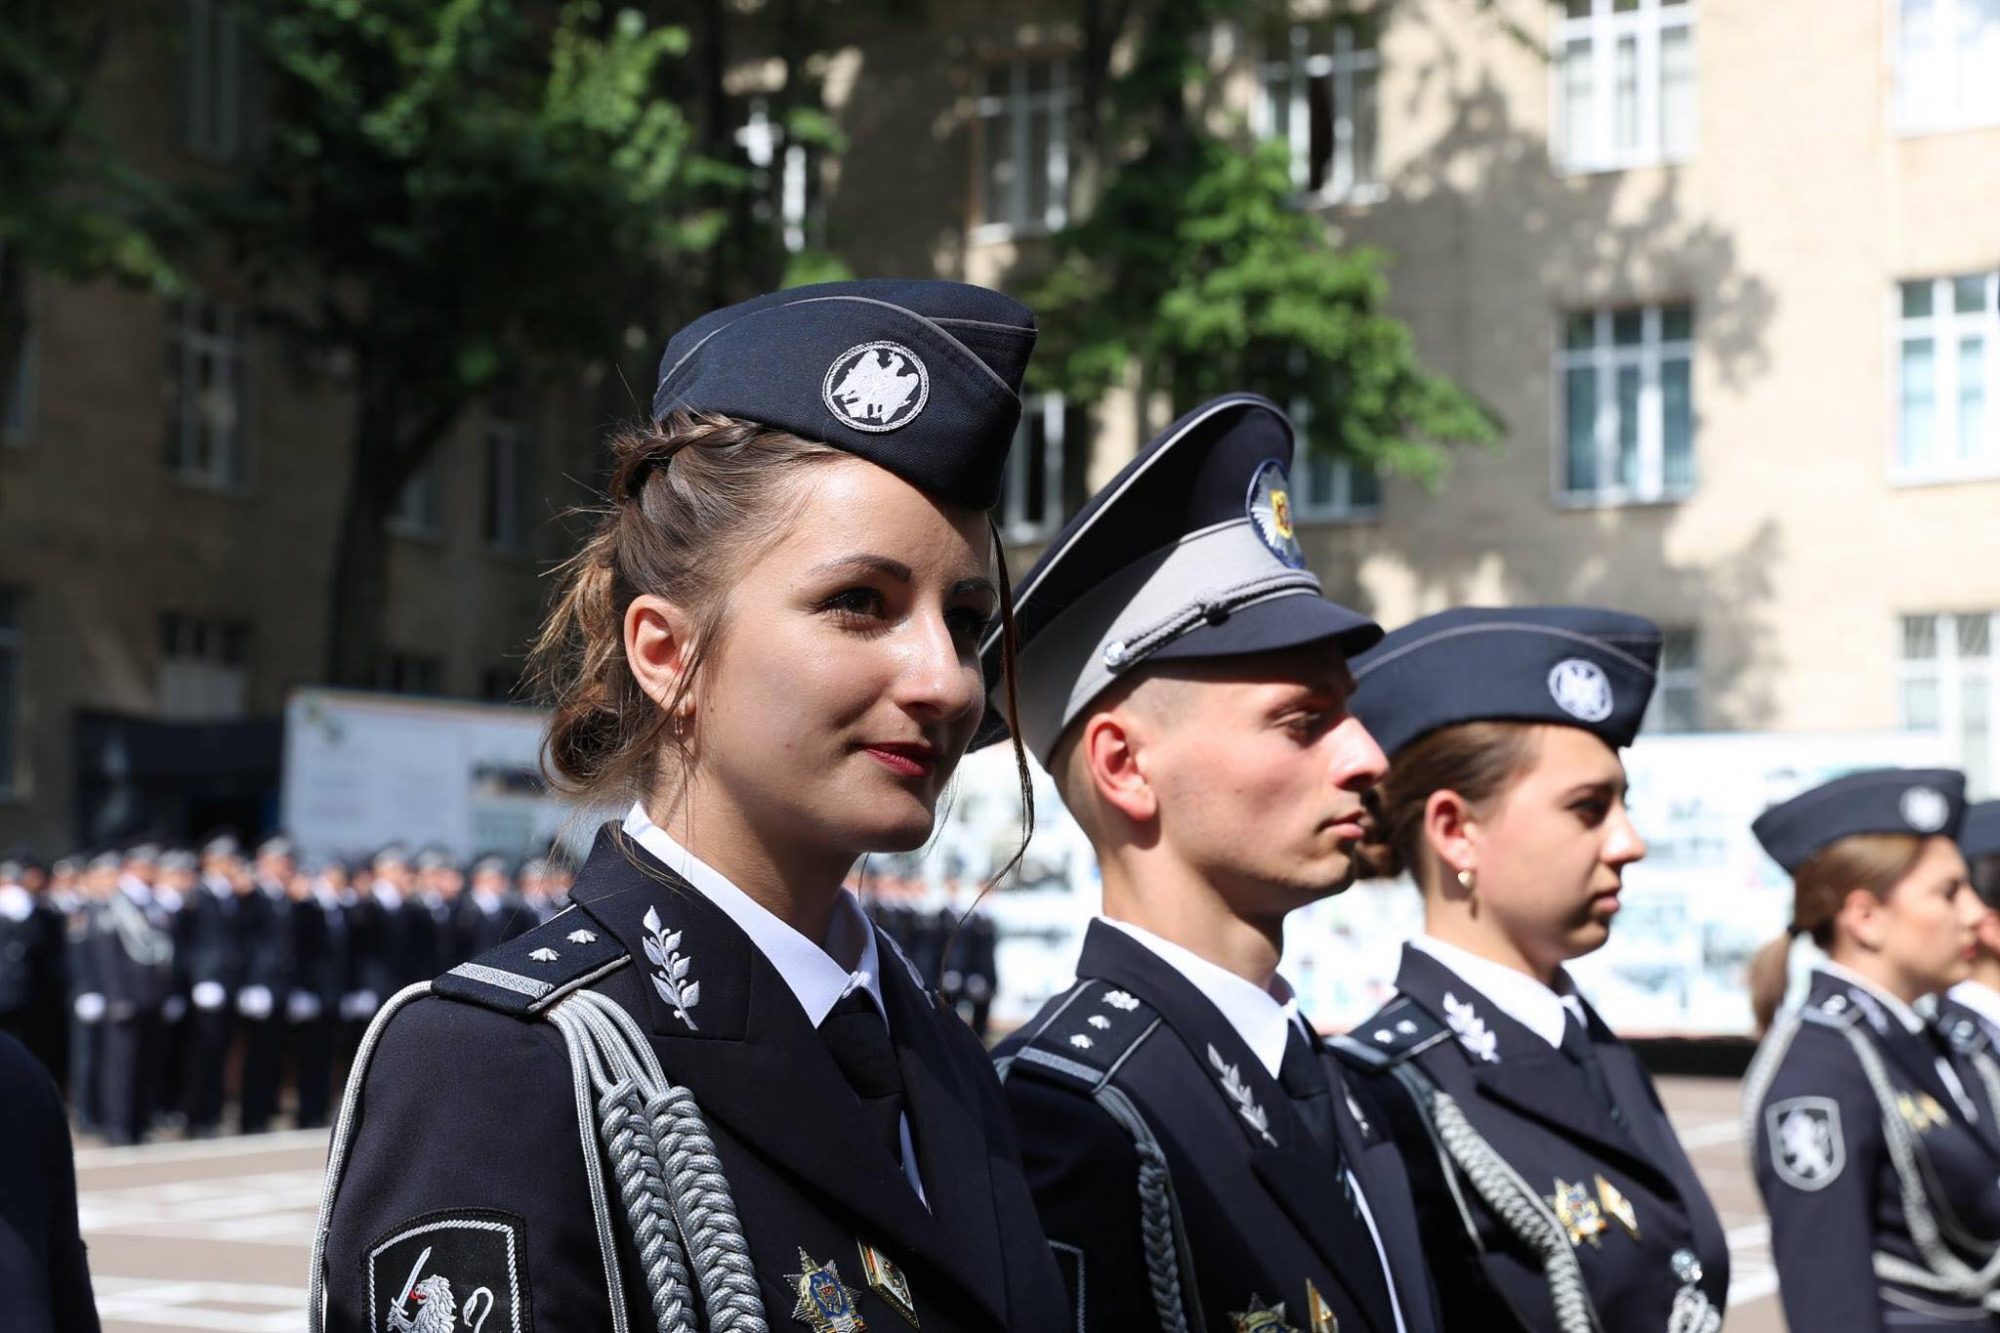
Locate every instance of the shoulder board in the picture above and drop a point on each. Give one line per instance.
(1093, 1029)
(1964, 1033)
(884, 940)
(1835, 1011)
(1401, 1030)
(530, 972)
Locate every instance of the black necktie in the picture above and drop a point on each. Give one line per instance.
(1577, 1046)
(1304, 1081)
(858, 1040)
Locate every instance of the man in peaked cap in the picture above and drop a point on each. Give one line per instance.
(1184, 680)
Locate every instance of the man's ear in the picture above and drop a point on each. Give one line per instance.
(658, 650)
(1109, 749)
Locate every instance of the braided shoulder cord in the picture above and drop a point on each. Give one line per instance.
(1947, 1272)
(1512, 1200)
(669, 1174)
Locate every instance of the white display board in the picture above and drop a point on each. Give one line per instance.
(365, 770)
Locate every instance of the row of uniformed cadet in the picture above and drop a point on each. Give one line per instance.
(1873, 1108)
(144, 970)
(712, 1096)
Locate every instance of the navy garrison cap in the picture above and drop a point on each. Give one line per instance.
(1979, 834)
(1923, 801)
(916, 375)
(1574, 666)
(1189, 553)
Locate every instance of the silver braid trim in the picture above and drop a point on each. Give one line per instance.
(1169, 1259)
(1948, 1274)
(1513, 1201)
(669, 1177)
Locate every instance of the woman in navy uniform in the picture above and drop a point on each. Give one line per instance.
(1969, 1013)
(1882, 1185)
(1552, 1190)
(710, 1096)
(1197, 1160)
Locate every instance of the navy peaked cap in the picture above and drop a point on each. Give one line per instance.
(916, 375)
(1923, 801)
(1189, 553)
(1979, 833)
(1575, 666)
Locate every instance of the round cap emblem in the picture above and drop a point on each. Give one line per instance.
(876, 387)
(1581, 689)
(1925, 809)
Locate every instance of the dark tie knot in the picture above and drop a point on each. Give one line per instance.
(858, 1039)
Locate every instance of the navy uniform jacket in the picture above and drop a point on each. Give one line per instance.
(1534, 1105)
(44, 1279)
(1975, 1058)
(264, 937)
(466, 1124)
(1823, 1165)
(206, 945)
(1264, 1213)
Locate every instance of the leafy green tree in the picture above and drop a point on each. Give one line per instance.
(1199, 266)
(452, 197)
(70, 207)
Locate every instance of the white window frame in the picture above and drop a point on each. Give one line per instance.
(1015, 524)
(758, 137)
(1684, 676)
(508, 488)
(212, 80)
(1015, 111)
(418, 510)
(226, 466)
(1945, 87)
(1949, 674)
(1308, 505)
(1944, 327)
(1606, 359)
(1296, 68)
(12, 640)
(1603, 29)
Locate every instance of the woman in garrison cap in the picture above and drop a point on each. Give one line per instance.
(1969, 1013)
(1552, 1192)
(1882, 1184)
(710, 1095)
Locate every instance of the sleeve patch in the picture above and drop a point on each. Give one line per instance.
(443, 1272)
(1807, 1150)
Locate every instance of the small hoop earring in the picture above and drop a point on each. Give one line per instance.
(1468, 881)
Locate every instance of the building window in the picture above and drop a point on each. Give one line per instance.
(1947, 64)
(1676, 703)
(212, 83)
(208, 393)
(1024, 113)
(790, 189)
(1317, 95)
(1627, 404)
(1949, 686)
(1624, 73)
(1032, 491)
(19, 421)
(204, 667)
(1326, 489)
(409, 673)
(10, 685)
(1948, 375)
(509, 486)
(419, 508)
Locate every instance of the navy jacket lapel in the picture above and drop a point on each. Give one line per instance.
(1282, 1154)
(755, 1064)
(1385, 1183)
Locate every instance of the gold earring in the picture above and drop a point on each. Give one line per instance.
(1467, 881)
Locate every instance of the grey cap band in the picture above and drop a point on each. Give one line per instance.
(1138, 611)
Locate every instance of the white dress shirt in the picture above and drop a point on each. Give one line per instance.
(819, 974)
(1521, 997)
(1261, 1017)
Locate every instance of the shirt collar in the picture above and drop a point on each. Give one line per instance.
(1261, 1017)
(1981, 999)
(811, 970)
(1911, 1020)
(1536, 1007)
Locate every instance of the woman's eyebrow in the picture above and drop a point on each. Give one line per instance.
(874, 564)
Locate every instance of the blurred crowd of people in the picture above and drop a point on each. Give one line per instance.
(164, 986)
(161, 985)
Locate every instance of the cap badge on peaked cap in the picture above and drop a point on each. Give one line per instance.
(1269, 506)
